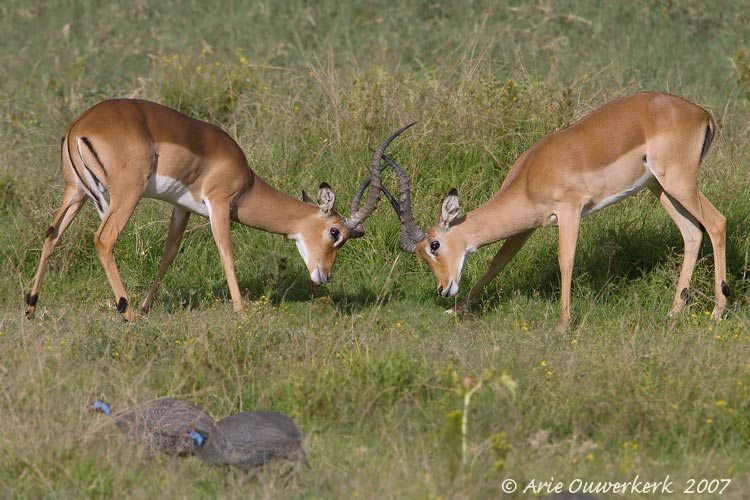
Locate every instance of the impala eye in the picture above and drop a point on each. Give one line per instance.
(335, 233)
(434, 245)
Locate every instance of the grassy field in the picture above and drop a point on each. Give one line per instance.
(374, 373)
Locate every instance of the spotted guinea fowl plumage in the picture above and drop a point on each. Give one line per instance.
(250, 439)
(160, 424)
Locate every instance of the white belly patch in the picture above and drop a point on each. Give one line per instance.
(609, 200)
(165, 188)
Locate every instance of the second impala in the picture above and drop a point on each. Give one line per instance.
(133, 149)
(649, 139)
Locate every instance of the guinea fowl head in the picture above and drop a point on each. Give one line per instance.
(196, 437)
(98, 405)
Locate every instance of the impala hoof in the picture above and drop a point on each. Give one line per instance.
(717, 313)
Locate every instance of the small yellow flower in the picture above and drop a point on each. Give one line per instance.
(543, 363)
(709, 420)
(706, 313)
(549, 373)
(721, 402)
(525, 327)
(590, 457)
(398, 324)
(574, 341)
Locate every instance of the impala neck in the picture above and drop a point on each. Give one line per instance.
(265, 207)
(502, 216)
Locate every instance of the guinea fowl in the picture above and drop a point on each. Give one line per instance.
(160, 424)
(249, 439)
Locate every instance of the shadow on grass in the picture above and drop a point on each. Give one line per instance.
(290, 290)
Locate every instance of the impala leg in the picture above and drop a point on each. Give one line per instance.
(120, 210)
(510, 248)
(73, 200)
(692, 236)
(569, 224)
(716, 226)
(687, 194)
(220, 227)
(177, 226)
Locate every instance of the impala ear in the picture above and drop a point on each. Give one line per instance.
(449, 211)
(307, 198)
(326, 198)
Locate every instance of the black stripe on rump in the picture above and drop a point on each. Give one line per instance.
(88, 144)
(83, 183)
(95, 195)
(707, 140)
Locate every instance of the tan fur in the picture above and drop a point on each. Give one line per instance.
(579, 169)
(124, 146)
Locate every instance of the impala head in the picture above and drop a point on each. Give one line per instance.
(322, 236)
(443, 250)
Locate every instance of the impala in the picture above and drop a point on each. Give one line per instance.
(133, 149)
(647, 140)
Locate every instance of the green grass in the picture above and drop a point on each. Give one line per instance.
(369, 367)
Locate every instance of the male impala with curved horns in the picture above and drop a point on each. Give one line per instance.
(648, 139)
(134, 149)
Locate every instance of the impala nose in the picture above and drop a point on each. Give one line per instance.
(450, 290)
(319, 277)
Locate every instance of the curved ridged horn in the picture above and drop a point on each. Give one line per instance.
(358, 215)
(357, 199)
(411, 233)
